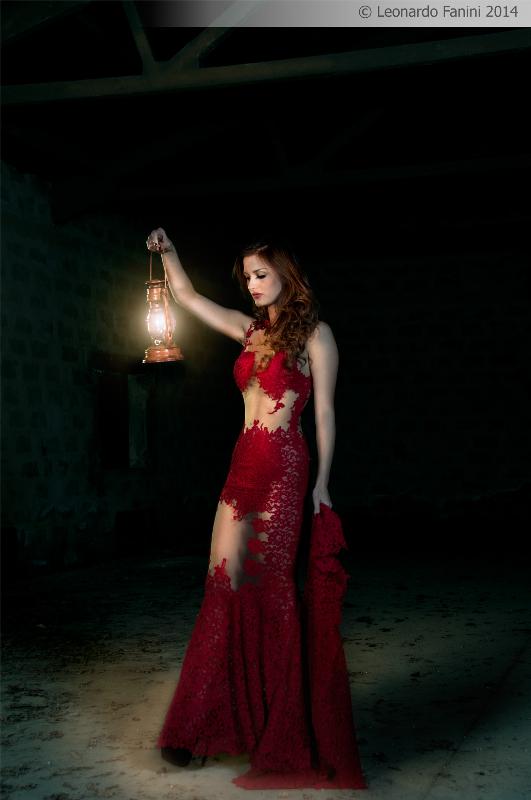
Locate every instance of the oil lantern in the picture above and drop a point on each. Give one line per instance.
(160, 322)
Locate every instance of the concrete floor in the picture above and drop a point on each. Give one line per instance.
(440, 669)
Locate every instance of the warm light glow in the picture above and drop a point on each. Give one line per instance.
(156, 323)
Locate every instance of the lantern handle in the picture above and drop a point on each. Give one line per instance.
(151, 269)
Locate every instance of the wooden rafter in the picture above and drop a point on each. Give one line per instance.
(70, 198)
(75, 195)
(27, 17)
(343, 136)
(149, 65)
(188, 57)
(335, 64)
(303, 177)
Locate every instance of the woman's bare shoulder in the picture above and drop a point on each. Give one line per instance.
(321, 334)
(321, 345)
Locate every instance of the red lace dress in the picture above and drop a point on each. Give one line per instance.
(249, 683)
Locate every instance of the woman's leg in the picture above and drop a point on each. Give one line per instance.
(237, 541)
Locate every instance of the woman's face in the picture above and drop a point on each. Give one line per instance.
(262, 279)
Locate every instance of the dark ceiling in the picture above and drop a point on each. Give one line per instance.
(116, 113)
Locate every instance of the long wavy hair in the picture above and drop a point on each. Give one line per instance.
(297, 305)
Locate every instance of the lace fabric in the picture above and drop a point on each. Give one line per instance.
(249, 680)
(268, 386)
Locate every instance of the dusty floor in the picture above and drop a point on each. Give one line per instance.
(440, 670)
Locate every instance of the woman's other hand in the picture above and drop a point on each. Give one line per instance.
(320, 495)
(159, 242)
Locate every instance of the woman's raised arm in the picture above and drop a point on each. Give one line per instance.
(230, 321)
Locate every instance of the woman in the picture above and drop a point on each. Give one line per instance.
(243, 685)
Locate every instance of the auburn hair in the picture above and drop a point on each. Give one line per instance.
(297, 307)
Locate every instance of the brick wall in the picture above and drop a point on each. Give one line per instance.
(434, 380)
(67, 291)
(432, 396)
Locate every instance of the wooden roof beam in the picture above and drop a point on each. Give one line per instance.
(190, 55)
(23, 19)
(71, 198)
(343, 136)
(79, 193)
(334, 64)
(298, 178)
(149, 65)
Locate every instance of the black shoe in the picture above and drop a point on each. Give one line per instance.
(179, 756)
